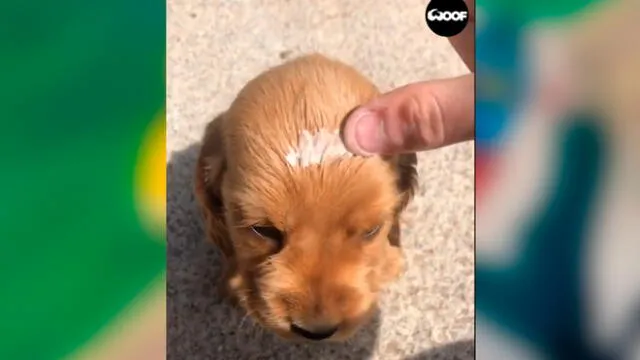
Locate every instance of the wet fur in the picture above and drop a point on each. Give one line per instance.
(325, 270)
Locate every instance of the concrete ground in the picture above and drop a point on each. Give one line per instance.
(214, 48)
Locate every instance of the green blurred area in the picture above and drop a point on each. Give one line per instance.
(80, 82)
(532, 10)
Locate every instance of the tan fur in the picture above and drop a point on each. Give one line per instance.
(326, 272)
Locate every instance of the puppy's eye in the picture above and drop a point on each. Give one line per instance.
(371, 233)
(268, 232)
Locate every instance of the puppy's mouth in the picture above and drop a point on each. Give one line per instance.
(318, 330)
(283, 315)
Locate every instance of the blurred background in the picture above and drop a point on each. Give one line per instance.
(82, 190)
(558, 180)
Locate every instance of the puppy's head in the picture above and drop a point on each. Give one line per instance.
(310, 232)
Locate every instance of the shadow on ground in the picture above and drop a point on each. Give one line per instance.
(461, 350)
(200, 325)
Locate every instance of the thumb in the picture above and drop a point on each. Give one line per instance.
(416, 117)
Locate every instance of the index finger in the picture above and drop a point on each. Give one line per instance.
(465, 43)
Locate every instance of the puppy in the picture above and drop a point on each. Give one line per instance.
(310, 233)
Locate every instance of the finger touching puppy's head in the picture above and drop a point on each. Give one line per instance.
(314, 229)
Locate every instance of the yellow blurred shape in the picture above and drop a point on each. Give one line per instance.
(151, 177)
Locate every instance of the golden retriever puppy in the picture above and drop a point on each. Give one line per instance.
(310, 233)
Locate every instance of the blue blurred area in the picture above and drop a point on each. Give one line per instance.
(499, 75)
(557, 220)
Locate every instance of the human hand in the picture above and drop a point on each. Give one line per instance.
(419, 116)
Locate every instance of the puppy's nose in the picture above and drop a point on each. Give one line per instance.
(314, 332)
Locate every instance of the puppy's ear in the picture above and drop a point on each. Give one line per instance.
(210, 169)
(407, 183)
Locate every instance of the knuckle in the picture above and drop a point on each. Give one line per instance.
(429, 120)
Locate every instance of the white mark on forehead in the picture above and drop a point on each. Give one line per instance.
(316, 148)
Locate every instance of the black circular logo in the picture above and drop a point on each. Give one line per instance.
(447, 17)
